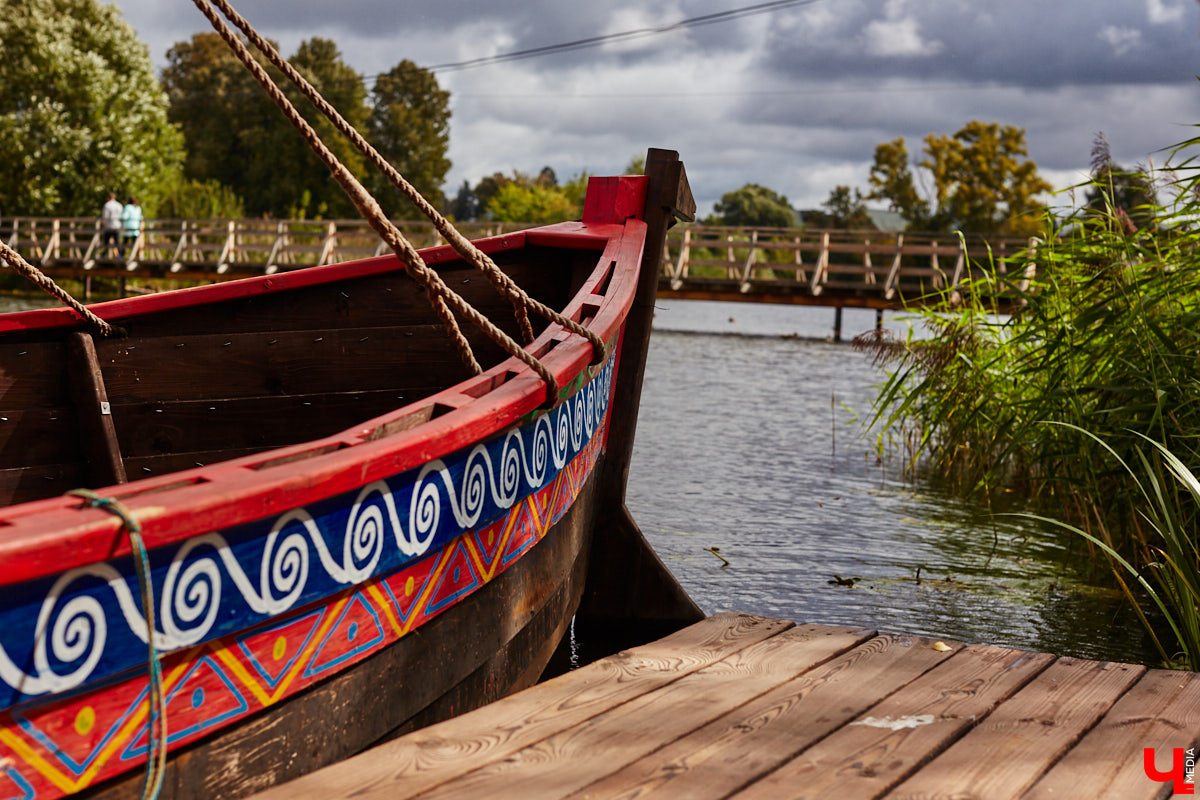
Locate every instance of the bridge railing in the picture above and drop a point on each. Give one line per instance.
(820, 260)
(226, 247)
(829, 267)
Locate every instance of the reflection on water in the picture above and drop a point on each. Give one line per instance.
(9, 303)
(754, 445)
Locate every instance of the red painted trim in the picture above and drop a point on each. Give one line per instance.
(49, 536)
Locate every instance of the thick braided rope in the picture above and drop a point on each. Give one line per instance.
(508, 288)
(156, 729)
(20, 265)
(439, 293)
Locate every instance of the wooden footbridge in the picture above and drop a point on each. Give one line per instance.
(837, 268)
(745, 707)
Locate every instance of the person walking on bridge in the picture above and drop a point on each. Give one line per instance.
(131, 225)
(110, 224)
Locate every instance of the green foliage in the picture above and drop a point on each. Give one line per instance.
(193, 199)
(514, 202)
(237, 137)
(80, 110)
(844, 209)
(753, 205)
(1168, 494)
(983, 181)
(410, 127)
(1105, 342)
(522, 198)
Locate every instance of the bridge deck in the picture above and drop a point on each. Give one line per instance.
(747, 707)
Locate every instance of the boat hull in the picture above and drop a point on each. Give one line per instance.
(316, 596)
(474, 653)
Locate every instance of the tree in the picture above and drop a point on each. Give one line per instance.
(80, 110)
(982, 178)
(409, 125)
(892, 180)
(237, 137)
(844, 209)
(753, 205)
(536, 204)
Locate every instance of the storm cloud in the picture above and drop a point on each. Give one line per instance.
(795, 99)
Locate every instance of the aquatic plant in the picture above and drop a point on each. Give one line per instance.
(1105, 338)
(1169, 575)
(1103, 344)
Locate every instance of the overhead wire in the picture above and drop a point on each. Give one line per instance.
(637, 33)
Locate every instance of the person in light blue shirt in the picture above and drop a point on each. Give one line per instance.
(131, 224)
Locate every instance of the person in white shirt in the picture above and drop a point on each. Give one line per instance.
(110, 224)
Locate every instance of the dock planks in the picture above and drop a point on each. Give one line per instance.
(745, 707)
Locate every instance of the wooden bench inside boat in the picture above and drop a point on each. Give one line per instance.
(196, 385)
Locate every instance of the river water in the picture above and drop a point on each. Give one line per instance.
(752, 439)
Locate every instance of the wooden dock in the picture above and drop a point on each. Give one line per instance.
(744, 707)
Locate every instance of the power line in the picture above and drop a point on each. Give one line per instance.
(639, 33)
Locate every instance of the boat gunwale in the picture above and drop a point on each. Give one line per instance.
(48, 536)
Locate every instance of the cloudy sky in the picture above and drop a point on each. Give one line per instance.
(795, 99)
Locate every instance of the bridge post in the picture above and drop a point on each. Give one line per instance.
(837, 323)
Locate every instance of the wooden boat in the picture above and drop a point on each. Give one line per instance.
(349, 535)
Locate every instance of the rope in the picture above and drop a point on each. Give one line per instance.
(506, 286)
(20, 265)
(441, 296)
(156, 757)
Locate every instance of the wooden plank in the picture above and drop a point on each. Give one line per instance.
(23, 484)
(156, 428)
(755, 738)
(33, 374)
(38, 436)
(567, 761)
(895, 737)
(148, 466)
(207, 366)
(428, 758)
(1162, 711)
(1007, 752)
(97, 434)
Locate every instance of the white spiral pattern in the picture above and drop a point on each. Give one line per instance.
(74, 630)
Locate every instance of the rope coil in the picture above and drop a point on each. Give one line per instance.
(156, 756)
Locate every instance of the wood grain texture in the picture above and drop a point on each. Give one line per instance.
(753, 739)
(181, 426)
(98, 436)
(430, 757)
(204, 366)
(597, 747)
(1162, 711)
(872, 753)
(1007, 752)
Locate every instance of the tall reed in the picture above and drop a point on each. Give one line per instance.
(1105, 344)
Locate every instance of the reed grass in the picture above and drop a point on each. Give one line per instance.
(1104, 345)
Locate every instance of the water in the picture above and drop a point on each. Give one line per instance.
(755, 444)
